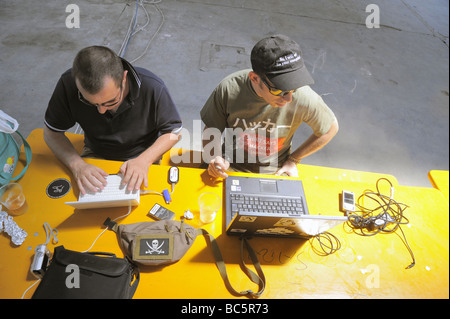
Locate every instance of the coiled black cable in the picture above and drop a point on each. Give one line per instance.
(386, 217)
(327, 242)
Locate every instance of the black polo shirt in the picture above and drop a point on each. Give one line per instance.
(146, 113)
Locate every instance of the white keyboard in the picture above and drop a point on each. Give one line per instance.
(113, 195)
(112, 191)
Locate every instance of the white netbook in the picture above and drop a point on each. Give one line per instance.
(113, 195)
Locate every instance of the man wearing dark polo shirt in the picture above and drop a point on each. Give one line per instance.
(126, 114)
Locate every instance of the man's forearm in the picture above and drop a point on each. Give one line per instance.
(162, 144)
(61, 146)
(88, 177)
(314, 143)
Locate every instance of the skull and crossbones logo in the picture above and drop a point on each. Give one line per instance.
(154, 248)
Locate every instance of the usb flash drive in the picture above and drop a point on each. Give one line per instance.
(167, 196)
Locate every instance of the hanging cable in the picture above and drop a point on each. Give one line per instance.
(130, 31)
(163, 19)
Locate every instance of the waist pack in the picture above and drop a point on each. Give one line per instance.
(92, 275)
(156, 243)
(10, 149)
(167, 241)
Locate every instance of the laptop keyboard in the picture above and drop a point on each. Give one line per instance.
(112, 191)
(264, 204)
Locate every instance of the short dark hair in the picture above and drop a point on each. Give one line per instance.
(93, 63)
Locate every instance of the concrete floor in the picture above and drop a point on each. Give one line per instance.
(388, 86)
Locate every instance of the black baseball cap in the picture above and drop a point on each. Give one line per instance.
(280, 59)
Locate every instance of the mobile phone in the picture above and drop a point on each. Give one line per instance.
(159, 213)
(347, 201)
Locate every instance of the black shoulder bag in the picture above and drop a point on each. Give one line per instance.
(91, 275)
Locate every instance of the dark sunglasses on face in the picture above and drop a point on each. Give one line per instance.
(275, 91)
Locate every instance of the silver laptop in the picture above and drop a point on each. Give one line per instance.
(277, 207)
(113, 195)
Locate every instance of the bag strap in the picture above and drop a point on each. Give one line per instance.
(258, 279)
(137, 277)
(28, 155)
(8, 124)
(136, 272)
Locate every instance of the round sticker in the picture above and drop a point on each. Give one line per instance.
(58, 188)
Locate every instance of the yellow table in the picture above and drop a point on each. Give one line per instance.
(365, 267)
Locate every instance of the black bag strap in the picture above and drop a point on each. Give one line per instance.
(136, 272)
(258, 279)
(137, 277)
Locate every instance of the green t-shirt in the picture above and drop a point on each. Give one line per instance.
(258, 136)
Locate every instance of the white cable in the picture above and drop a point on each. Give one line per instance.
(49, 233)
(146, 23)
(128, 35)
(154, 35)
(30, 288)
(144, 192)
(129, 211)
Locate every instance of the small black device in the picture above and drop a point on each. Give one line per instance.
(40, 261)
(158, 212)
(347, 201)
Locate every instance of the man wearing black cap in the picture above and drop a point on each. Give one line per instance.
(261, 109)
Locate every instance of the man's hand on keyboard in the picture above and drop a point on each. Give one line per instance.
(89, 178)
(134, 173)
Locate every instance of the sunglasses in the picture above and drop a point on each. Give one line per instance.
(110, 103)
(275, 91)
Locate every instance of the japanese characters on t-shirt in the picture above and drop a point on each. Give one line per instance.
(258, 136)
